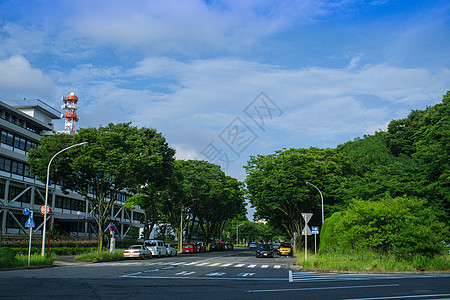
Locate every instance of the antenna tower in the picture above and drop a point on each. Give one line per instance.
(71, 106)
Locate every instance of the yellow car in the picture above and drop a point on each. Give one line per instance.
(285, 249)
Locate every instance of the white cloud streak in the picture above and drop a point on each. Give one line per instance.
(19, 79)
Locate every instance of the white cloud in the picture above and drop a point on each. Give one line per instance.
(188, 26)
(325, 106)
(19, 79)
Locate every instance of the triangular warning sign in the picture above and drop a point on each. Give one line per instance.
(30, 223)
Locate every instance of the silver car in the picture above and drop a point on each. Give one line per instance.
(252, 245)
(137, 251)
(171, 250)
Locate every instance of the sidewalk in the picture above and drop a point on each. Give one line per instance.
(68, 260)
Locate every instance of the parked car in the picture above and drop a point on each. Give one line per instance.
(157, 247)
(200, 246)
(285, 249)
(252, 246)
(229, 246)
(264, 250)
(189, 248)
(215, 246)
(137, 251)
(171, 250)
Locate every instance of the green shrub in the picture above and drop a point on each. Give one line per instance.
(17, 258)
(102, 256)
(372, 261)
(401, 226)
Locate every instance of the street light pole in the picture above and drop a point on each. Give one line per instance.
(180, 242)
(321, 197)
(237, 233)
(44, 228)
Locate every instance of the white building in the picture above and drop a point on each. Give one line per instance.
(22, 123)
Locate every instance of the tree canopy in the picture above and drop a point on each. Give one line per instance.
(118, 158)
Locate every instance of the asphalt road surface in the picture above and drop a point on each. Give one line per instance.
(235, 274)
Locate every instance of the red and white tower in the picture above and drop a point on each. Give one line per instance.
(71, 106)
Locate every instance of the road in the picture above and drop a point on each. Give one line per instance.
(233, 274)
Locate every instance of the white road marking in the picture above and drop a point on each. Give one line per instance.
(277, 267)
(226, 265)
(251, 266)
(239, 265)
(326, 288)
(185, 273)
(403, 297)
(214, 264)
(264, 266)
(215, 274)
(245, 274)
(202, 264)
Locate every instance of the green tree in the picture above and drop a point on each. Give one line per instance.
(114, 161)
(277, 189)
(152, 178)
(425, 136)
(212, 198)
(375, 170)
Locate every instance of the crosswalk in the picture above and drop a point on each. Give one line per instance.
(319, 276)
(222, 264)
(200, 263)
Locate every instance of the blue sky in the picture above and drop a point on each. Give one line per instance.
(320, 72)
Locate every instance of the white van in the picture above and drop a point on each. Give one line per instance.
(157, 247)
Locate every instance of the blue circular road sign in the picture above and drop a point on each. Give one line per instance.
(26, 211)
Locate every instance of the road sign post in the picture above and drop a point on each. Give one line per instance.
(112, 244)
(315, 231)
(306, 231)
(29, 224)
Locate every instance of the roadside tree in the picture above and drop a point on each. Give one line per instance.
(115, 161)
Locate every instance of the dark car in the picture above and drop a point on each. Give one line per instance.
(264, 250)
(229, 246)
(200, 247)
(215, 246)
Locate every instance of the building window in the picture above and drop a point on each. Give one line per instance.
(59, 202)
(19, 143)
(31, 128)
(7, 138)
(66, 203)
(15, 191)
(27, 172)
(5, 164)
(2, 190)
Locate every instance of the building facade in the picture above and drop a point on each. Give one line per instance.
(22, 124)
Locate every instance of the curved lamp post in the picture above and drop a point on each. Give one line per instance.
(237, 233)
(321, 197)
(46, 193)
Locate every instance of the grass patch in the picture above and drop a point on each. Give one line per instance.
(11, 259)
(102, 256)
(372, 261)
